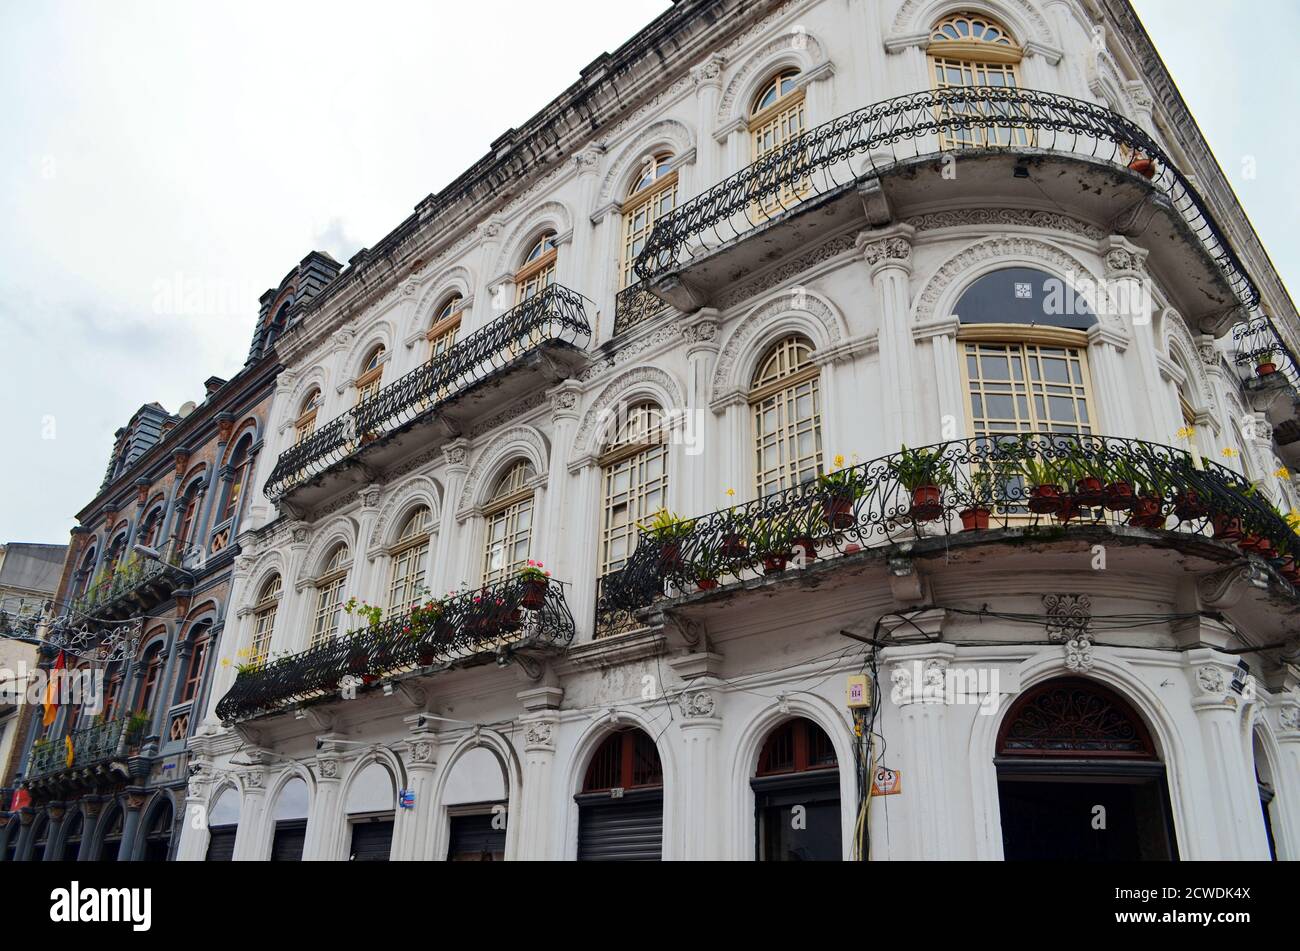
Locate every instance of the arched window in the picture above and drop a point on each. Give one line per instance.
(153, 666)
(305, 424)
(1065, 748)
(329, 595)
(87, 573)
(538, 269)
(1025, 354)
(223, 825)
(189, 516)
(372, 371)
(149, 529)
(112, 694)
(290, 833)
(406, 584)
(476, 797)
(11, 839)
(113, 559)
(776, 117)
(268, 602)
(968, 49)
(509, 523)
(71, 846)
(40, 837)
(240, 462)
(158, 833)
(1267, 791)
(371, 804)
(446, 326)
(652, 196)
(798, 770)
(200, 643)
(634, 468)
(110, 838)
(626, 825)
(785, 400)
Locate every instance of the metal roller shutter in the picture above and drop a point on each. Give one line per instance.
(372, 841)
(221, 844)
(474, 840)
(290, 836)
(629, 829)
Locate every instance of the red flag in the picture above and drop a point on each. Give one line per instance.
(20, 798)
(52, 692)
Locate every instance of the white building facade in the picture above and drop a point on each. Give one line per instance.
(738, 267)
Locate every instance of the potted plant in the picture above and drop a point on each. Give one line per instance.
(1265, 361)
(1042, 477)
(1118, 495)
(984, 485)
(839, 490)
(1143, 165)
(135, 727)
(534, 580)
(668, 530)
(770, 542)
(923, 473)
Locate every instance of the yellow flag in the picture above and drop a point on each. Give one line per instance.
(67, 741)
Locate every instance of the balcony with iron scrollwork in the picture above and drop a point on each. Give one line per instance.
(537, 342)
(635, 306)
(886, 161)
(1269, 371)
(134, 587)
(1013, 491)
(98, 752)
(513, 620)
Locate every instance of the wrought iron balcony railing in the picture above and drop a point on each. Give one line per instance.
(1261, 351)
(499, 619)
(90, 747)
(917, 125)
(635, 305)
(1032, 482)
(554, 316)
(134, 584)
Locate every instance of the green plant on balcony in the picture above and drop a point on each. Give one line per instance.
(924, 474)
(840, 488)
(135, 727)
(770, 539)
(668, 531)
(534, 579)
(1265, 360)
(372, 614)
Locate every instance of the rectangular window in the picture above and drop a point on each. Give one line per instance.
(407, 577)
(952, 73)
(509, 534)
(1026, 388)
(329, 603)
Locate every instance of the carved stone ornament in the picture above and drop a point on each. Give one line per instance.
(329, 769)
(540, 734)
(1211, 680)
(1069, 616)
(887, 249)
(1078, 654)
(1289, 718)
(421, 751)
(699, 703)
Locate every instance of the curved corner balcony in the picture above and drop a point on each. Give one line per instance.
(1019, 487)
(511, 619)
(538, 342)
(887, 161)
(1263, 358)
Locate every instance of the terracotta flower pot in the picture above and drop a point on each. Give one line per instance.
(426, 656)
(975, 519)
(1089, 492)
(809, 548)
(1256, 543)
(1148, 512)
(838, 510)
(1226, 528)
(733, 546)
(670, 556)
(707, 584)
(775, 564)
(1070, 508)
(1143, 166)
(1118, 496)
(1045, 499)
(1189, 507)
(927, 503)
(533, 593)
(1266, 369)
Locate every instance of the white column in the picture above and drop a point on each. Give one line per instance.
(252, 837)
(709, 153)
(553, 547)
(583, 553)
(699, 806)
(946, 354)
(413, 831)
(696, 448)
(533, 812)
(1286, 784)
(446, 565)
(919, 674)
(325, 815)
(576, 272)
(1239, 823)
(1128, 300)
(1106, 346)
(888, 254)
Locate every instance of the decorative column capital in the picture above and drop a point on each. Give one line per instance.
(698, 705)
(456, 455)
(564, 401)
(539, 733)
(587, 161)
(1123, 258)
(888, 248)
(709, 72)
(701, 332)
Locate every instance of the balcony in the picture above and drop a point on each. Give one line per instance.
(95, 750)
(136, 586)
(1269, 372)
(511, 619)
(538, 342)
(635, 306)
(1016, 489)
(886, 161)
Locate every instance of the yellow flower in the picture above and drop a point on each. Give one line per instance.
(1187, 432)
(1283, 473)
(225, 662)
(839, 462)
(1293, 519)
(1229, 453)
(730, 493)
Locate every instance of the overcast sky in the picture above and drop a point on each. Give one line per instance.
(163, 163)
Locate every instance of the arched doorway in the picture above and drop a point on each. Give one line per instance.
(11, 839)
(40, 838)
(290, 834)
(1267, 790)
(371, 806)
(223, 826)
(797, 796)
(158, 833)
(477, 800)
(71, 845)
(1079, 778)
(110, 840)
(621, 806)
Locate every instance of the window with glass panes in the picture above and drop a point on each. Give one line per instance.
(653, 195)
(446, 325)
(200, 640)
(329, 596)
(777, 116)
(408, 554)
(371, 373)
(635, 475)
(509, 523)
(305, 424)
(264, 620)
(538, 269)
(1025, 386)
(969, 50)
(785, 401)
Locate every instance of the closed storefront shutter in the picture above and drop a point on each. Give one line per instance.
(629, 829)
(290, 836)
(474, 840)
(372, 841)
(221, 843)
